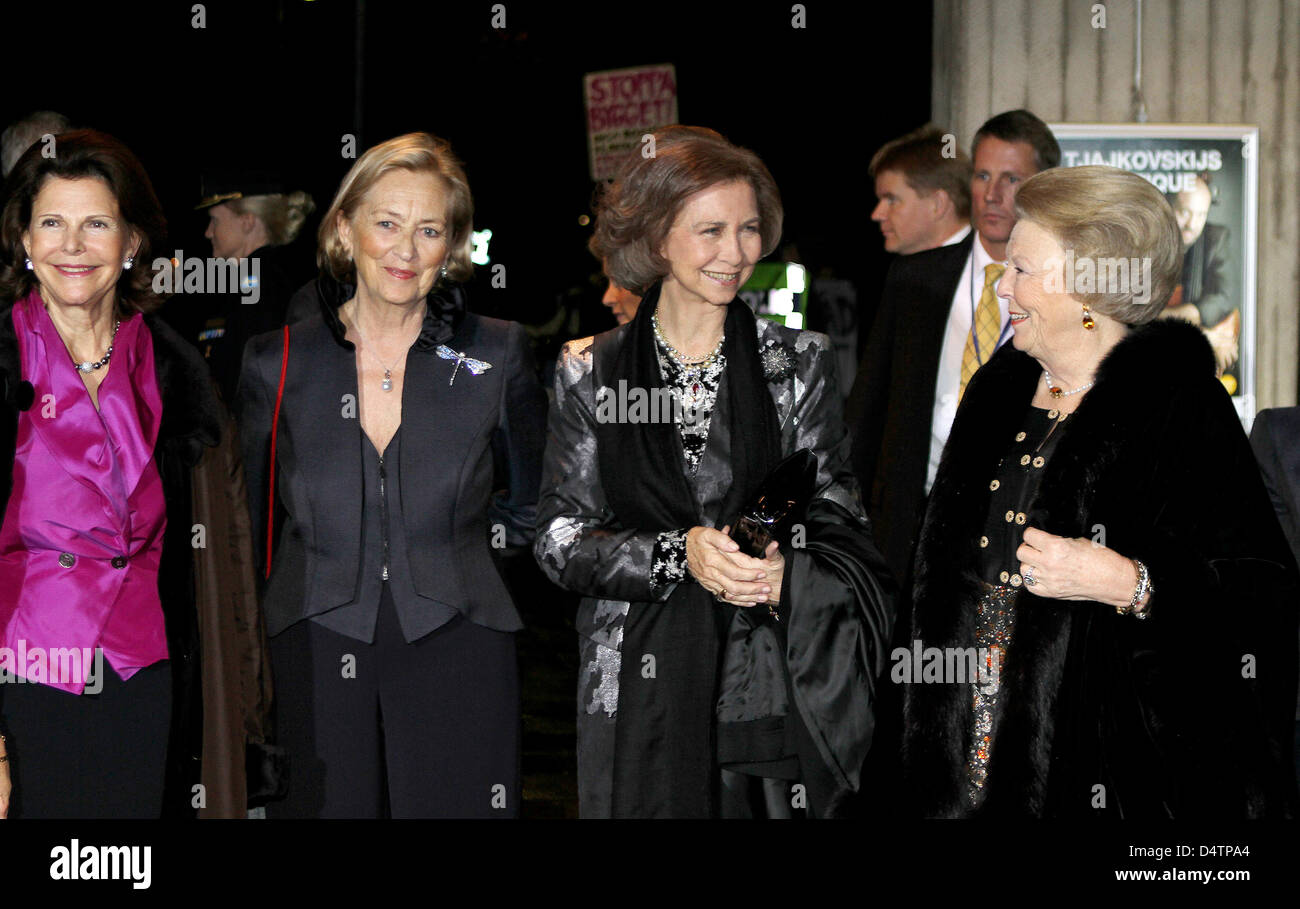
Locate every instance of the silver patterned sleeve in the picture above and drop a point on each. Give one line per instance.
(817, 422)
(579, 544)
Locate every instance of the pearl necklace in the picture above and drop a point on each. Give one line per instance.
(87, 366)
(692, 367)
(1056, 391)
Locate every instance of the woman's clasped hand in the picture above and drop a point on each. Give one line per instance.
(716, 562)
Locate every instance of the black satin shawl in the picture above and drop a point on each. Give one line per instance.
(664, 753)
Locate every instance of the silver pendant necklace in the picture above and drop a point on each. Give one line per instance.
(87, 366)
(387, 384)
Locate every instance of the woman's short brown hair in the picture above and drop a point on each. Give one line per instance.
(1109, 217)
(79, 154)
(635, 214)
(420, 153)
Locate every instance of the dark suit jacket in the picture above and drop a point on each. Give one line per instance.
(892, 403)
(1276, 440)
(457, 441)
(1209, 279)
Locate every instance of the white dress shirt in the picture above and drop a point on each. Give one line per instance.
(948, 384)
(957, 237)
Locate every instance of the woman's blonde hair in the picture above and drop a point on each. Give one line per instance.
(420, 153)
(282, 214)
(1110, 217)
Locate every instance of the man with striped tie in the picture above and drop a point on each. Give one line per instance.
(939, 320)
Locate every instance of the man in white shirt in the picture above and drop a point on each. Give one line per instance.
(923, 191)
(924, 344)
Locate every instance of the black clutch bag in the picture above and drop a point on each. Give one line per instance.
(779, 502)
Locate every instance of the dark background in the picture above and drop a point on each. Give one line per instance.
(274, 85)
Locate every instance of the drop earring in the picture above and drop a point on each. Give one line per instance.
(130, 261)
(1088, 322)
(442, 272)
(30, 266)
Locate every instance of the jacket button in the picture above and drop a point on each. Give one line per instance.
(67, 559)
(118, 562)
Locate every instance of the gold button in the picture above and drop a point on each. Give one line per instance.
(994, 485)
(984, 542)
(1052, 414)
(1020, 518)
(1003, 577)
(1024, 460)
(1039, 461)
(1016, 580)
(1011, 516)
(1062, 417)
(1020, 437)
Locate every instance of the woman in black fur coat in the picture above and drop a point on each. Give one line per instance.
(1104, 612)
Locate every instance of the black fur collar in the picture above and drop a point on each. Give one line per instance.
(1164, 354)
(191, 411)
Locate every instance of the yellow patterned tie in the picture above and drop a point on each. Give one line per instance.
(987, 328)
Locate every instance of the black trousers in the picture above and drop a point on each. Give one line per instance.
(428, 729)
(747, 797)
(89, 755)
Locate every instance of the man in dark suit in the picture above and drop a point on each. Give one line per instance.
(939, 319)
(1276, 440)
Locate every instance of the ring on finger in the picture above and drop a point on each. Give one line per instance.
(1029, 576)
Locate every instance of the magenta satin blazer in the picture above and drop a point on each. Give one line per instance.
(82, 534)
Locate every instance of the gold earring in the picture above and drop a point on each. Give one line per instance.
(1088, 322)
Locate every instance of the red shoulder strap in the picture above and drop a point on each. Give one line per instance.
(275, 425)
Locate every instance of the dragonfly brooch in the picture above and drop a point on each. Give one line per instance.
(474, 366)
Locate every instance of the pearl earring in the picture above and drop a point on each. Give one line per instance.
(442, 272)
(30, 266)
(130, 261)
